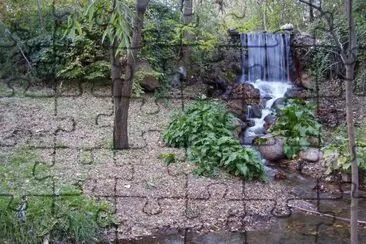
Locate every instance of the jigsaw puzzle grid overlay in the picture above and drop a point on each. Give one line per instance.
(71, 128)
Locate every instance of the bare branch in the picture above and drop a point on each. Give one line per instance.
(329, 19)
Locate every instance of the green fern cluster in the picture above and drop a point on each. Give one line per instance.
(205, 128)
(297, 123)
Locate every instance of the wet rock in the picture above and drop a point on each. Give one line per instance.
(239, 126)
(272, 147)
(279, 103)
(269, 120)
(250, 123)
(241, 95)
(255, 111)
(245, 91)
(296, 92)
(302, 56)
(311, 155)
(237, 107)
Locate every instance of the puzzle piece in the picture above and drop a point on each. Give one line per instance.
(75, 141)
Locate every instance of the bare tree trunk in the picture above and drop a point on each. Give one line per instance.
(349, 59)
(186, 50)
(120, 137)
(352, 150)
(122, 88)
(348, 54)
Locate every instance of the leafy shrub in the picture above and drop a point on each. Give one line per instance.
(68, 216)
(297, 123)
(206, 129)
(336, 154)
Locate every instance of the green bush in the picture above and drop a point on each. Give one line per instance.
(297, 123)
(336, 154)
(31, 212)
(205, 128)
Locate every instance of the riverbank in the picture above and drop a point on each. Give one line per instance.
(148, 196)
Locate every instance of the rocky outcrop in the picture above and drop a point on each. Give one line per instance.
(147, 76)
(302, 54)
(239, 127)
(269, 120)
(223, 71)
(297, 92)
(311, 155)
(240, 96)
(271, 147)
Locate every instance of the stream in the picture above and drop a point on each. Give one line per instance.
(300, 227)
(265, 65)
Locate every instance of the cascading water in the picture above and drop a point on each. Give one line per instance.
(266, 66)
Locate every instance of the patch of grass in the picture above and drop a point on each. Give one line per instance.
(30, 211)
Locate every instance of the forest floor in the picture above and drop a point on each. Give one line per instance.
(74, 130)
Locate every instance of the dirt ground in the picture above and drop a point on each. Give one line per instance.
(74, 130)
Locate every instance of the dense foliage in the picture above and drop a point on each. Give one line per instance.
(336, 153)
(297, 123)
(34, 214)
(205, 128)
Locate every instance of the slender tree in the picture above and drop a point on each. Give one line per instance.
(348, 54)
(122, 88)
(187, 9)
(349, 60)
(114, 17)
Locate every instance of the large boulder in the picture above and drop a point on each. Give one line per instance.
(311, 155)
(223, 71)
(147, 76)
(255, 111)
(296, 92)
(302, 53)
(239, 127)
(245, 91)
(269, 120)
(279, 104)
(271, 147)
(240, 96)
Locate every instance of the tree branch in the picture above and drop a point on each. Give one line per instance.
(326, 215)
(329, 19)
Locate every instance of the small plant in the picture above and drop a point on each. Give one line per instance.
(336, 154)
(205, 128)
(31, 212)
(297, 123)
(169, 158)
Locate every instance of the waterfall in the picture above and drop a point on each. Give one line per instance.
(266, 57)
(265, 65)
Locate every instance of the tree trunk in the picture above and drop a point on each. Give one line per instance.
(349, 59)
(186, 50)
(352, 150)
(122, 88)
